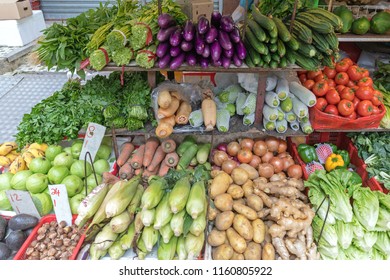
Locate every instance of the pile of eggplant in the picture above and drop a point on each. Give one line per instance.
(216, 43)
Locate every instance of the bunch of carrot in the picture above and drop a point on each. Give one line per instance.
(172, 110)
(152, 158)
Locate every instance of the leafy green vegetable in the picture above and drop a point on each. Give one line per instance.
(329, 234)
(122, 56)
(354, 253)
(382, 243)
(344, 232)
(365, 207)
(282, 8)
(383, 223)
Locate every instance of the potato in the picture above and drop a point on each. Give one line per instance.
(247, 187)
(268, 252)
(240, 201)
(220, 184)
(236, 241)
(212, 212)
(223, 202)
(253, 251)
(242, 225)
(245, 210)
(224, 220)
(235, 191)
(216, 237)
(237, 256)
(252, 172)
(239, 176)
(254, 202)
(223, 252)
(258, 230)
(214, 173)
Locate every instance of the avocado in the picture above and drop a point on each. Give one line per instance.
(22, 222)
(3, 228)
(5, 252)
(346, 17)
(380, 22)
(28, 231)
(15, 239)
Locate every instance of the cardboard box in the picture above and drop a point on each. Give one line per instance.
(230, 6)
(15, 9)
(196, 8)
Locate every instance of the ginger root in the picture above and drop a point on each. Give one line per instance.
(281, 188)
(297, 248)
(280, 248)
(286, 207)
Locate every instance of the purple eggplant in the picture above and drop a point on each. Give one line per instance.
(216, 63)
(236, 61)
(211, 35)
(189, 31)
(165, 21)
(216, 19)
(175, 51)
(240, 50)
(235, 35)
(191, 59)
(227, 23)
(199, 43)
(206, 51)
(228, 53)
(215, 51)
(186, 46)
(162, 49)
(203, 25)
(225, 62)
(176, 37)
(164, 34)
(224, 40)
(164, 61)
(177, 61)
(204, 62)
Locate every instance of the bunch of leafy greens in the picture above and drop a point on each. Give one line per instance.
(374, 149)
(282, 8)
(385, 121)
(382, 75)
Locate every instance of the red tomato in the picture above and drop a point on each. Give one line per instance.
(320, 88)
(302, 72)
(341, 78)
(348, 94)
(354, 73)
(309, 84)
(351, 84)
(342, 66)
(332, 110)
(312, 74)
(348, 61)
(375, 110)
(378, 94)
(321, 104)
(376, 101)
(352, 116)
(330, 72)
(302, 78)
(365, 108)
(365, 82)
(320, 77)
(355, 102)
(331, 83)
(340, 88)
(345, 107)
(332, 96)
(365, 73)
(364, 93)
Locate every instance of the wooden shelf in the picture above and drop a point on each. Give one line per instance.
(379, 129)
(369, 37)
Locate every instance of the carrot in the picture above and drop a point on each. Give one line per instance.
(168, 146)
(164, 99)
(209, 111)
(157, 158)
(138, 157)
(146, 174)
(127, 149)
(164, 168)
(110, 179)
(170, 111)
(126, 171)
(183, 113)
(150, 148)
(171, 159)
(169, 120)
(163, 130)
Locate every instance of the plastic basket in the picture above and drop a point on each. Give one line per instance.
(21, 254)
(374, 185)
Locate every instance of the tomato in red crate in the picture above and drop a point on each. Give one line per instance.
(309, 84)
(330, 72)
(365, 108)
(375, 110)
(345, 107)
(365, 82)
(341, 78)
(347, 93)
(303, 78)
(352, 116)
(364, 93)
(354, 72)
(320, 77)
(375, 101)
(348, 61)
(341, 66)
(332, 110)
(340, 88)
(332, 96)
(321, 104)
(331, 83)
(320, 88)
(350, 84)
(312, 74)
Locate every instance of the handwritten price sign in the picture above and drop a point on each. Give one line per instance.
(21, 202)
(59, 196)
(93, 139)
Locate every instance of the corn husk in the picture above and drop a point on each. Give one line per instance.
(147, 216)
(199, 224)
(105, 238)
(121, 222)
(126, 241)
(141, 249)
(194, 245)
(122, 199)
(181, 248)
(90, 205)
(138, 223)
(116, 251)
(163, 213)
(136, 201)
(96, 254)
(149, 237)
(166, 251)
(177, 223)
(179, 195)
(195, 203)
(153, 194)
(166, 233)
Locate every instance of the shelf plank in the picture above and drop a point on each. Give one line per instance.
(369, 37)
(379, 129)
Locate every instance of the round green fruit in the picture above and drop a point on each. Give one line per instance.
(40, 165)
(4, 202)
(73, 185)
(5, 181)
(101, 166)
(78, 168)
(63, 159)
(37, 183)
(18, 181)
(75, 201)
(57, 173)
(104, 152)
(360, 26)
(43, 203)
(76, 149)
(52, 151)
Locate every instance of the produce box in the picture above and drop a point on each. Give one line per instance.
(21, 254)
(15, 9)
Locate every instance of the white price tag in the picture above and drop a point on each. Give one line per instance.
(93, 139)
(21, 202)
(59, 196)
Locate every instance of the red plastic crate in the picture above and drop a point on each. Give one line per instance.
(21, 254)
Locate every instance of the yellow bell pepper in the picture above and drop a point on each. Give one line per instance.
(333, 161)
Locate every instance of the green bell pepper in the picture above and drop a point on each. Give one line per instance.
(345, 155)
(307, 153)
(334, 148)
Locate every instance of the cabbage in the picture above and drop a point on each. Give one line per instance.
(367, 242)
(358, 229)
(383, 243)
(345, 233)
(327, 252)
(316, 196)
(383, 223)
(366, 207)
(384, 200)
(354, 253)
(377, 255)
(329, 234)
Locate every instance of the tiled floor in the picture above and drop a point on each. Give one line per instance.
(6, 50)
